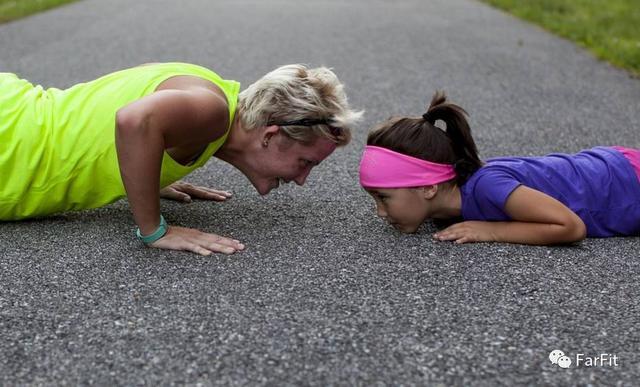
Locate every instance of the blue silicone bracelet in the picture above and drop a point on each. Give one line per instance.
(159, 233)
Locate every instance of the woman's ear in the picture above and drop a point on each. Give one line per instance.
(429, 191)
(269, 131)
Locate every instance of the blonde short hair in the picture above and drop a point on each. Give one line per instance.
(312, 98)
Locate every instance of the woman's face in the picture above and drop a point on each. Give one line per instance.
(283, 160)
(403, 208)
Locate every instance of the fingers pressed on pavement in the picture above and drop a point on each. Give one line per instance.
(221, 248)
(181, 238)
(218, 192)
(217, 240)
(198, 249)
(213, 196)
(208, 194)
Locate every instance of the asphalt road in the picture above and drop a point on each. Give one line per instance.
(326, 294)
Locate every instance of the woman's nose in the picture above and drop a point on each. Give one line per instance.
(302, 178)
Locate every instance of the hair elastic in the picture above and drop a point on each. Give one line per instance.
(384, 168)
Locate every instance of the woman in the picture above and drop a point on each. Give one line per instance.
(136, 132)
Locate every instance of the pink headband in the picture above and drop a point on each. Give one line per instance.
(384, 168)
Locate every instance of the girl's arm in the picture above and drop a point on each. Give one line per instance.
(144, 129)
(538, 219)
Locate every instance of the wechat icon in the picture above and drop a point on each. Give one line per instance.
(558, 358)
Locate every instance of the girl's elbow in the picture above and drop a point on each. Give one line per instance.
(583, 232)
(576, 230)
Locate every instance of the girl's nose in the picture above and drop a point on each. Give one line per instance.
(381, 212)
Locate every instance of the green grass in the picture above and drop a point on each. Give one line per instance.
(15, 9)
(608, 28)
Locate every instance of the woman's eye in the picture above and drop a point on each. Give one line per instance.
(306, 163)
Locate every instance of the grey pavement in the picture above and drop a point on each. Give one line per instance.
(326, 293)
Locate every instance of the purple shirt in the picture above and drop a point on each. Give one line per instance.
(598, 184)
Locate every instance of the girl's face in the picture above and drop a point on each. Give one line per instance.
(404, 208)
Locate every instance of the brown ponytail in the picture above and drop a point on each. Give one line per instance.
(421, 138)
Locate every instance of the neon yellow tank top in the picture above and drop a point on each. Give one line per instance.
(57, 147)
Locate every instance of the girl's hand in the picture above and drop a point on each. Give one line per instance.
(184, 192)
(465, 232)
(189, 239)
(538, 219)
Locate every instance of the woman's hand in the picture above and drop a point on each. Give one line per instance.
(465, 232)
(189, 239)
(185, 192)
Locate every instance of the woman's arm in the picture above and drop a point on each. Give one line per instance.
(148, 126)
(538, 219)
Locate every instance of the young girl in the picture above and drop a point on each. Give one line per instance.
(416, 171)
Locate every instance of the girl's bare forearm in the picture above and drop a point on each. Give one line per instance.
(534, 233)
